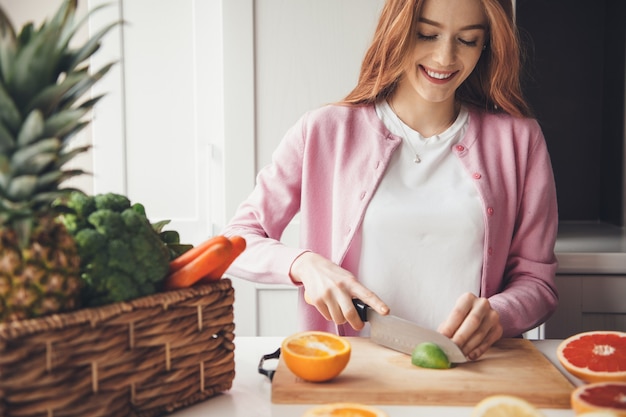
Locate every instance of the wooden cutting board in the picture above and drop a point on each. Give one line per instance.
(377, 375)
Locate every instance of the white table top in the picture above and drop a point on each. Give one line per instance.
(250, 395)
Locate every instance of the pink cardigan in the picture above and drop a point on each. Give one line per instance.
(328, 166)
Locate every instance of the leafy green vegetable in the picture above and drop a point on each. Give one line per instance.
(122, 255)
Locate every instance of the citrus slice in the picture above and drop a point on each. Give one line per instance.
(595, 356)
(505, 406)
(600, 396)
(429, 355)
(344, 410)
(315, 356)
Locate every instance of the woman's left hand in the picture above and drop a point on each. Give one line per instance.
(473, 325)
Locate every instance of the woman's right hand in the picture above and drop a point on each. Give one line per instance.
(331, 289)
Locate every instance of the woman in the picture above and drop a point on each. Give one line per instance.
(428, 188)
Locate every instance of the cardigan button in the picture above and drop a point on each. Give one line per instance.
(490, 211)
(459, 148)
(490, 250)
(477, 176)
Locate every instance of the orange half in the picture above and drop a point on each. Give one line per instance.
(344, 410)
(315, 356)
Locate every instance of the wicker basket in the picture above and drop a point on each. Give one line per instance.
(146, 357)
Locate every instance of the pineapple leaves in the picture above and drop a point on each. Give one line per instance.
(72, 60)
(5, 172)
(34, 66)
(48, 99)
(6, 27)
(34, 158)
(38, 55)
(77, 128)
(52, 180)
(37, 163)
(68, 91)
(32, 129)
(59, 124)
(91, 102)
(22, 187)
(23, 225)
(45, 99)
(7, 142)
(7, 44)
(80, 88)
(9, 114)
(65, 157)
(89, 48)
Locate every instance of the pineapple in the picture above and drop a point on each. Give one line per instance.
(42, 79)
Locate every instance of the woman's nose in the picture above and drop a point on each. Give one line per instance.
(445, 53)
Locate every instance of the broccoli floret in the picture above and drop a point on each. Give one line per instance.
(139, 208)
(111, 201)
(90, 242)
(107, 222)
(80, 206)
(122, 256)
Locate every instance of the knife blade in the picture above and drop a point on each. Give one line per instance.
(402, 335)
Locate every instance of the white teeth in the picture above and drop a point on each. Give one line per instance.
(438, 75)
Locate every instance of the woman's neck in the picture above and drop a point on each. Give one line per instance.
(428, 119)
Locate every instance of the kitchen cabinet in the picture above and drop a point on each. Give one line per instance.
(588, 302)
(591, 280)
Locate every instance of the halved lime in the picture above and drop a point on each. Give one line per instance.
(430, 355)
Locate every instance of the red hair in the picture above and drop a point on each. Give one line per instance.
(494, 85)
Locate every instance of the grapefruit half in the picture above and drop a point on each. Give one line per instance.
(600, 396)
(595, 356)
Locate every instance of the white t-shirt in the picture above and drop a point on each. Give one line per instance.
(423, 231)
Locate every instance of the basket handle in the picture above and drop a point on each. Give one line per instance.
(268, 372)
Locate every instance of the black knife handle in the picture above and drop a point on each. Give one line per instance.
(361, 308)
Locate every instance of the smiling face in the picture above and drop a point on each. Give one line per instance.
(449, 41)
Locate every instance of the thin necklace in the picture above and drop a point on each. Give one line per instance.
(417, 159)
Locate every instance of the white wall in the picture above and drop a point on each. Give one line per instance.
(308, 53)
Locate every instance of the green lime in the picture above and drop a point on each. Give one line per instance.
(430, 355)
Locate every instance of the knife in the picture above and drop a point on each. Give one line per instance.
(402, 335)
